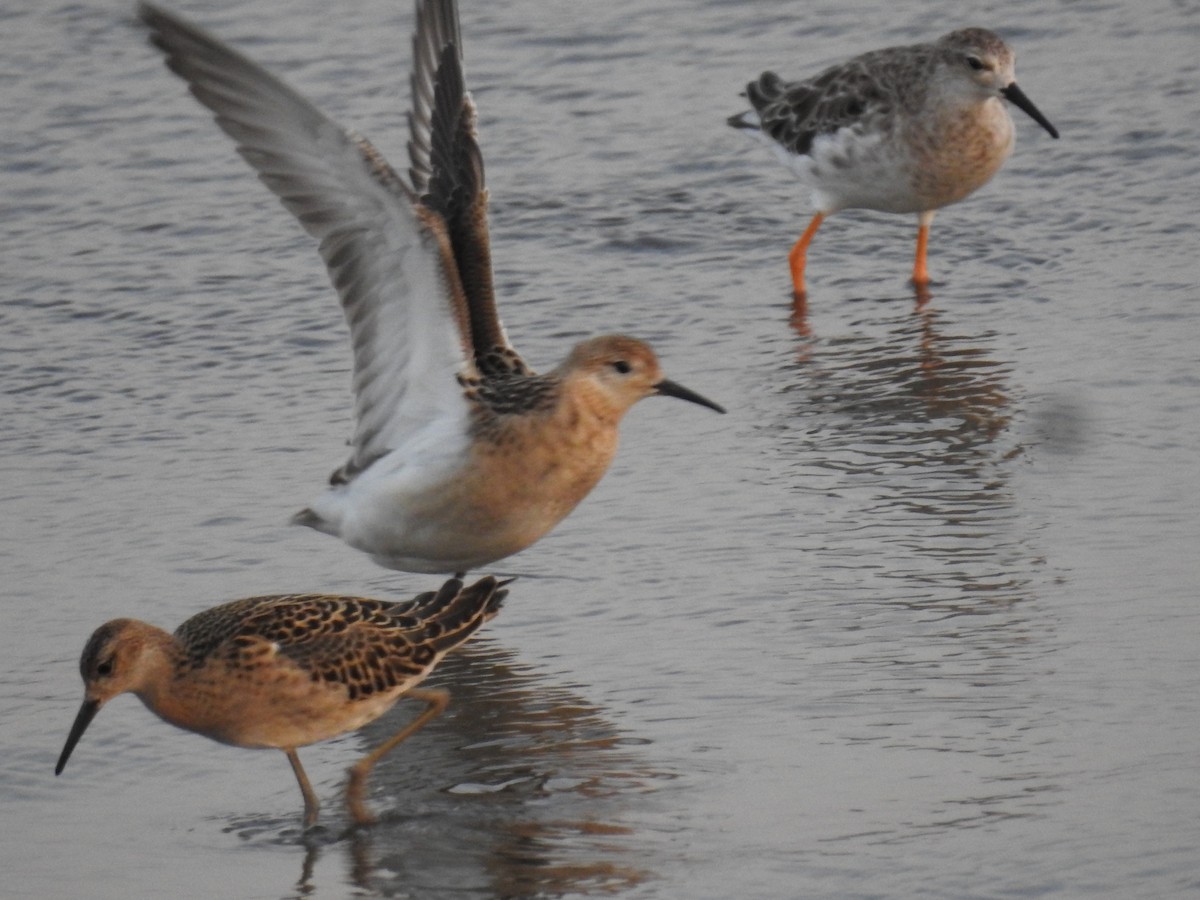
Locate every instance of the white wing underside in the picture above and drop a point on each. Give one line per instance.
(384, 262)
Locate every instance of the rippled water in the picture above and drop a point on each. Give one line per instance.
(917, 619)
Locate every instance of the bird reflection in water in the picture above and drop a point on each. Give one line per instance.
(520, 789)
(912, 376)
(798, 318)
(901, 432)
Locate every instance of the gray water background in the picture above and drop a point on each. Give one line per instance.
(918, 618)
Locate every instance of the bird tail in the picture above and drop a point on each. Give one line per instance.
(453, 613)
(764, 90)
(310, 519)
(746, 121)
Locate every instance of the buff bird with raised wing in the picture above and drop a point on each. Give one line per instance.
(461, 453)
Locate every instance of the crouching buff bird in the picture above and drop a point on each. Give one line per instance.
(287, 671)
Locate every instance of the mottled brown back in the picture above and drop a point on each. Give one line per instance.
(368, 645)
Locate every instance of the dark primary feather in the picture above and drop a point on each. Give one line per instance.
(446, 169)
(455, 190)
(437, 28)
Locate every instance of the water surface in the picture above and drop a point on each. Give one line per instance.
(916, 619)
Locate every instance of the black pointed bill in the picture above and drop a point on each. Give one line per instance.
(1017, 98)
(87, 712)
(669, 388)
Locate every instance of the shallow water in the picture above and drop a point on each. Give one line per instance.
(916, 619)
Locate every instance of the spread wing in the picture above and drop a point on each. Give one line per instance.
(446, 168)
(389, 256)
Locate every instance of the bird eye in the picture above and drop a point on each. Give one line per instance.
(975, 63)
(622, 366)
(105, 668)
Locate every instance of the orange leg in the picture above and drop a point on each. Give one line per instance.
(920, 276)
(796, 259)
